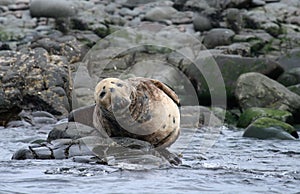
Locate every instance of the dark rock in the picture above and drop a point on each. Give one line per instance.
(218, 37)
(251, 114)
(179, 4)
(71, 130)
(257, 90)
(201, 23)
(267, 128)
(120, 152)
(83, 115)
(23, 154)
(34, 81)
(290, 77)
(230, 3)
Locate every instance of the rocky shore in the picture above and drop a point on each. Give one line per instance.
(223, 58)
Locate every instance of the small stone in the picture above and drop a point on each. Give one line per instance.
(218, 37)
(201, 23)
(160, 13)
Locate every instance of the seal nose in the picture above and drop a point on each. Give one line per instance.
(102, 94)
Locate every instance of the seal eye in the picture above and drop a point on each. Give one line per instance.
(102, 94)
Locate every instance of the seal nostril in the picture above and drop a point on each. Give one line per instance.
(102, 94)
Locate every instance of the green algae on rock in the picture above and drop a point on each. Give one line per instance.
(268, 128)
(254, 113)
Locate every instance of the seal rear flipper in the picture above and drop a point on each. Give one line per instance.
(171, 157)
(166, 90)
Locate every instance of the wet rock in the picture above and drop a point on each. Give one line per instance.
(23, 154)
(251, 114)
(218, 37)
(257, 90)
(110, 151)
(267, 128)
(52, 9)
(290, 77)
(201, 23)
(71, 130)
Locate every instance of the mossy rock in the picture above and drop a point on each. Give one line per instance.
(251, 114)
(268, 128)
